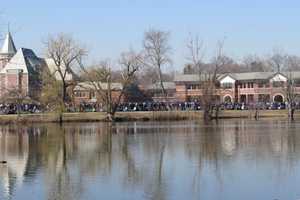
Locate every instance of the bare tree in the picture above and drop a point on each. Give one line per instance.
(208, 76)
(291, 84)
(292, 63)
(291, 95)
(100, 78)
(51, 94)
(196, 54)
(157, 53)
(64, 51)
(254, 63)
(278, 60)
(210, 100)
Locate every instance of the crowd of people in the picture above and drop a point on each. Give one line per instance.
(146, 106)
(11, 108)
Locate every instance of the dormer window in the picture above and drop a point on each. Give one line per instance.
(277, 84)
(227, 85)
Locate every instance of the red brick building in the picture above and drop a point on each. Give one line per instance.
(19, 70)
(240, 87)
(155, 93)
(84, 92)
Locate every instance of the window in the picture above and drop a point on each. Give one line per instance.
(193, 87)
(278, 84)
(243, 98)
(92, 95)
(260, 85)
(79, 94)
(227, 85)
(250, 98)
(297, 83)
(227, 99)
(264, 98)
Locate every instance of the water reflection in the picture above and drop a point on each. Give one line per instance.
(233, 159)
(14, 146)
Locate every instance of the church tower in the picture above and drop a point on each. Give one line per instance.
(7, 51)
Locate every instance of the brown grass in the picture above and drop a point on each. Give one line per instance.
(137, 116)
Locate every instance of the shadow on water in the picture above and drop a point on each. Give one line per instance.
(151, 160)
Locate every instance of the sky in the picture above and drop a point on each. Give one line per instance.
(110, 27)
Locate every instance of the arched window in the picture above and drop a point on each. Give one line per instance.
(227, 99)
(278, 98)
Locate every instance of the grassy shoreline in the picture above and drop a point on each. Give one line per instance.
(137, 116)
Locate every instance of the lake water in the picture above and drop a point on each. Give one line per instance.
(232, 159)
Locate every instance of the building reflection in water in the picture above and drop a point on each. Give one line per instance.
(14, 147)
(145, 160)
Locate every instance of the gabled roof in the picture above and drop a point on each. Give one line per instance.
(8, 47)
(226, 75)
(24, 60)
(17, 62)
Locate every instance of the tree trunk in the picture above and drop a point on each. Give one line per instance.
(256, 114)
(60, 118)
(217, 112)
(207, 113)
(18, 109)
(161, 83)
(291, 111)
(64, 92)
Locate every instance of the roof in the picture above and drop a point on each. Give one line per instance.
(191, 77)
(53, 70)
(238, 76)
(293, 74)
(104, 86)
(8, 45)
(186, 77)
(157, 86)
(25, 60)
(251, 75)
(17, 62)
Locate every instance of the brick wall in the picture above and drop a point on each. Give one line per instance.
(12, 82)
(249, 90)
(87, 96)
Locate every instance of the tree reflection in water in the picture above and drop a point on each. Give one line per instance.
(150, 160)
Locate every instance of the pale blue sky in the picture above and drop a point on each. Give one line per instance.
(112, 26)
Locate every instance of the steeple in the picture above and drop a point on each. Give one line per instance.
(8, 47)
(7, 51)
